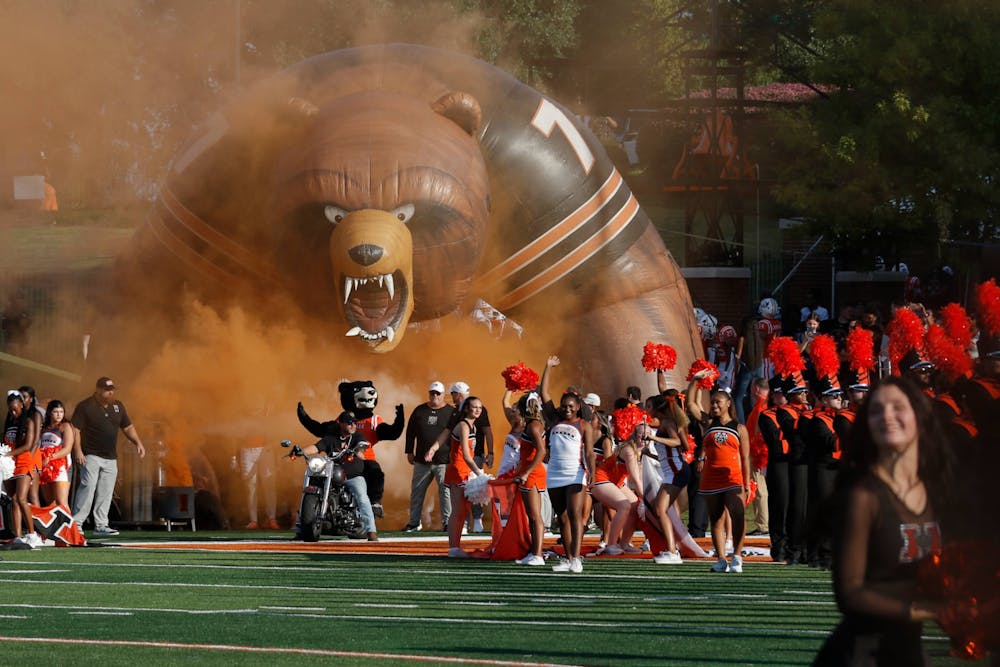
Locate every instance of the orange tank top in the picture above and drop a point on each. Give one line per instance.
(611, 470)
(723, 463)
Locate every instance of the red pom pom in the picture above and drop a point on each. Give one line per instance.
(949, 357)
(689, 450)
(658, 357)
(758, 453)
(956, 323)
(861, 349)
(961, 577)
(519, 377)
(700, 365)
(753, 493)
(988, 306)
(785, 355)
(626, 419)
(823, 352)
(906, 332)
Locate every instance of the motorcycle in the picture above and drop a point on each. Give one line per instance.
(327, 506)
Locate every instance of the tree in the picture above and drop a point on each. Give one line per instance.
(907, 144)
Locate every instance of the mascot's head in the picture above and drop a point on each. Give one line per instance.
(359, 397)
(398, 187)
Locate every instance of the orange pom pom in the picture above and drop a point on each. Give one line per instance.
(700, 365)
(519, 377)
(658, 357)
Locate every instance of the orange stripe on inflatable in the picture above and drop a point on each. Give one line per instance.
(186, 255)
(574, 259)
(556, 233)
(211, 236)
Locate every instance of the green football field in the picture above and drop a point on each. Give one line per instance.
(159, 606)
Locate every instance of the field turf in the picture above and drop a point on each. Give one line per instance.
(173, 606)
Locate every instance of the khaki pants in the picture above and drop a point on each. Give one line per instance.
(759, 505)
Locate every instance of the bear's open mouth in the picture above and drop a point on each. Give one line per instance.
(374, 305)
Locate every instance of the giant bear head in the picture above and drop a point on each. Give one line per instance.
(388, 183)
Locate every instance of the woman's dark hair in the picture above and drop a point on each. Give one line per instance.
(731, 412)
(53, 404)
(936, 463)
(569, 394)
(467, 405)
(633, 393)
(30, 391)
(21, 422)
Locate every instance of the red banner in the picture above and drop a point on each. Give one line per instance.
(511, 534)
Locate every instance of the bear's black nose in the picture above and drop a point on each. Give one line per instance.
(366, 254)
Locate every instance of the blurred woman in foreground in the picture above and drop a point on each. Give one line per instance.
(895, 488)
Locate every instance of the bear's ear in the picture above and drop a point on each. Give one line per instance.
(461, 109)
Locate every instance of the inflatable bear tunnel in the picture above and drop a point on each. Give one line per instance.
(383, 186)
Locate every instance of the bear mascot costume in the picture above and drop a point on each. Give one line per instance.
(393, 185)
(360, 398)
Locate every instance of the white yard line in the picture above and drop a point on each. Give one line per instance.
(652, 627)
(533, 596)
(294, 651)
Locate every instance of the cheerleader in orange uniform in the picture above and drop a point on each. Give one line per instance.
(20, 435)
(460, 465)
(725, 478)
(56, 445)
(612, 481)
(531, 474)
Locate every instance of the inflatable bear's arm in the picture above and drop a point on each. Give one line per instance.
(392, 431)
(310, 424)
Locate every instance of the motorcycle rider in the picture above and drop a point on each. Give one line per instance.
(349, 438)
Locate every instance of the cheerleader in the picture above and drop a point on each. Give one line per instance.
(461, 465)
(725, 480)
(895, 488)
(20, 435)
(531, 473)
(571, 466)
(56, 444)
(618, 486)
(670, 441)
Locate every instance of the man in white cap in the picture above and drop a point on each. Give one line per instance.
(426, 423)
(483, 453)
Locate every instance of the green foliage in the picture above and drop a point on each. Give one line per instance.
(909, 142)
(521, 35)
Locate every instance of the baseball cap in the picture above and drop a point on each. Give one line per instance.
(105, 383)
(592, 400)
(460, 387)
(436, 386)
(347, 417)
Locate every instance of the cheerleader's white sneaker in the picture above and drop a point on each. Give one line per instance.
(720, 565)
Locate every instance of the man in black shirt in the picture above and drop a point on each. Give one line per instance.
(425, 424)
(349, 438)
(99, 418)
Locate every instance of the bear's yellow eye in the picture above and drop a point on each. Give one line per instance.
(404, 213)
(334, 214)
